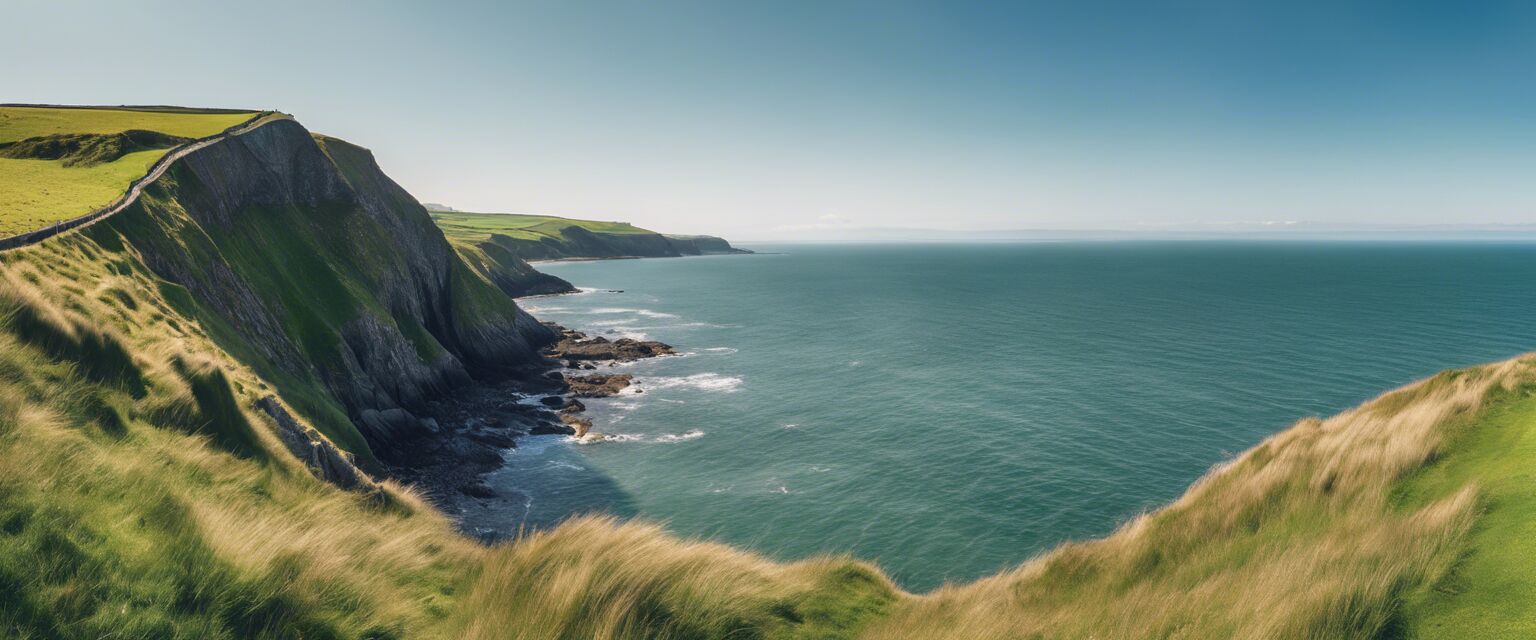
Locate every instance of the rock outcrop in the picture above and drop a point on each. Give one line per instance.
(323, 458)
(576, 348)
(600, 385)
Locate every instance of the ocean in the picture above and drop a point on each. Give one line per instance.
(948, 411)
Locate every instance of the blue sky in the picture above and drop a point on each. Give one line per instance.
(784, 119)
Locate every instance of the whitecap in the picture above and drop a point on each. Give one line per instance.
(679, 437)
(594, 437)
(699, 381)
(641, 312)
(720, 350)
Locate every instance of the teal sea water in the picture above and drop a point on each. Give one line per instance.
(948, 411)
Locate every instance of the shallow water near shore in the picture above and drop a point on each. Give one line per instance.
(952, 410)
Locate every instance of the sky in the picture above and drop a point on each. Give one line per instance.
(786, 120)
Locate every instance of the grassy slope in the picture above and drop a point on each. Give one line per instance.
(1492, 593)
(35, 193)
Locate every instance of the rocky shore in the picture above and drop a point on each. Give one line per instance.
(468, 431)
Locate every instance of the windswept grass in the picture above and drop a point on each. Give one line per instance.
(596, 578)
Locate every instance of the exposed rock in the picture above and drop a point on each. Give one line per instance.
(598, 385)
(323, 458)
(580, 424)
(477, 490)
(383, 335)
(576, 348)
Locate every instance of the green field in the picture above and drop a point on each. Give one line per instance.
(459, 225)
(35, 193)
(17, 123)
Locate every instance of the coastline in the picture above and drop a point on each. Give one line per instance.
(540, 261)
(471, 430)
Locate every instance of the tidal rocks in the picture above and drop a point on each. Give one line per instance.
(577, 349)
(578, 423)
(600, 385)
(477, 490)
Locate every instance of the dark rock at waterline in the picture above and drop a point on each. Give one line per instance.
(554, 402)
(575, 347)
(555, 429)
(477, 490)
(579, 425)
(598, 385)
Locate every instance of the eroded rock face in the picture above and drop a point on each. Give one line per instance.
(323, 458)
(329, 271)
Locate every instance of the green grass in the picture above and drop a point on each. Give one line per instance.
(37, 193)
(477, 226)
(17, 123)
(1491, 595)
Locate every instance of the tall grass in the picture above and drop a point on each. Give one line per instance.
(1300, 537)
(596, 578)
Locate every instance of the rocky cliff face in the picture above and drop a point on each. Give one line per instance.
(702, 245)
(303, 252)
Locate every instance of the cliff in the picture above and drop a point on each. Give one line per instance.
(500, 245)
(308, 257)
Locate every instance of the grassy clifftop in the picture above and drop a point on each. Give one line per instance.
(151, 490)
(57, 163)
(499, 245)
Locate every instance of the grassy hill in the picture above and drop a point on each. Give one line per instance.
(463, 225)
(499, 245)
(58, 163)
(151, 490)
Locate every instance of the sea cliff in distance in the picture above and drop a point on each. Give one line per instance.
(203, 397)
(500, 245)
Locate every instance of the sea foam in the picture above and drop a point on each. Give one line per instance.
(699, 381)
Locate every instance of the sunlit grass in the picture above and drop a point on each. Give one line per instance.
(26, 122)
(476, 227)
(37, 193)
